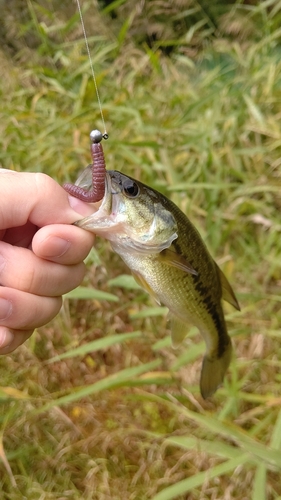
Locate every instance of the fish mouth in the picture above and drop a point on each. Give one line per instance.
(85, 181)
(110, 220)
(103, 217)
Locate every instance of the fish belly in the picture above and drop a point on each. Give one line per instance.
(184, 295)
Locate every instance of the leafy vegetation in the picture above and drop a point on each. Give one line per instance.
(97, 405)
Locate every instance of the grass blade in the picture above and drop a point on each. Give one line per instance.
(186, 485)
(95, 345)
(259, 486)
(83, 293)
(150, 312)
(275, 441)
(213, 448)
(124, 281)
(121, 378)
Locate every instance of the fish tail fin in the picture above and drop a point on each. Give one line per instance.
(213, 371)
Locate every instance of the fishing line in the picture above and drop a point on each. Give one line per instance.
(105, 134)
(98, 167)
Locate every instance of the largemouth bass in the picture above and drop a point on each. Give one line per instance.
(169, 259)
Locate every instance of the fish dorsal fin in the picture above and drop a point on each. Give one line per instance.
(179, 330)
(227, 292)
(173, 259)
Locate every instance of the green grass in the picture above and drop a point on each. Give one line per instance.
(87, 413)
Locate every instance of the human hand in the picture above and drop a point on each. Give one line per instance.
(41, 254)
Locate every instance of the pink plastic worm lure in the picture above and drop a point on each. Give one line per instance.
(96, 192)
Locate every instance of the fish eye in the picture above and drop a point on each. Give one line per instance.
(130, 188)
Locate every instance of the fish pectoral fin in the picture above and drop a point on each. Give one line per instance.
(173, 259)
(143, 283)
(213, 371)
(178, 331)
(227, 291)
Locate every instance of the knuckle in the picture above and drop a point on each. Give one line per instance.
(28, 281)
(41, 180)
(43, 184)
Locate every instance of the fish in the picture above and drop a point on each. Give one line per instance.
(169, 259)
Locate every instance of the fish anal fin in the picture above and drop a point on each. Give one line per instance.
(227, 291)
(213, 371)
(173, 259)
(143, 283)
(179, 331)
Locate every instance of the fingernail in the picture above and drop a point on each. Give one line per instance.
(80, 207)
(57, 247)
(6, 337)
(5, 309)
